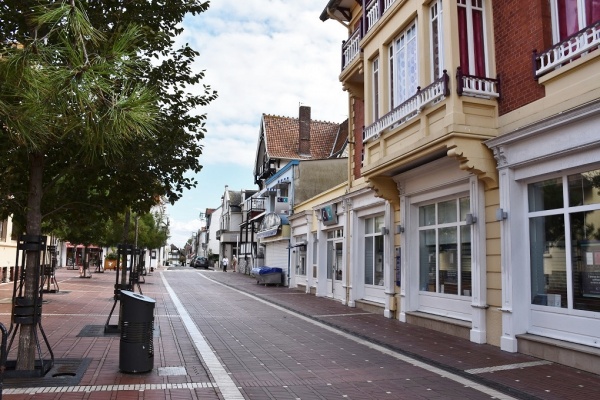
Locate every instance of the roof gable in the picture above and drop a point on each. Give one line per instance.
(282, 138)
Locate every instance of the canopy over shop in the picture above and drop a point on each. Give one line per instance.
(78, 253)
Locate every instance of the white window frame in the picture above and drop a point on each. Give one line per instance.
(376, 91)
(468, 4)
(332, 236)
(581, 17)
(570, 324)
(372, 236)
(403, 87)
(437, 226)
(436, 19)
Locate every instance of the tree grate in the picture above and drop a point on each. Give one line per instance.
(64, 372)
(98, 331)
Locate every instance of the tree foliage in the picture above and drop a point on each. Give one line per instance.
(144, 169)
(96, 115)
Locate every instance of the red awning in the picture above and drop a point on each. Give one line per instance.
(81, 246)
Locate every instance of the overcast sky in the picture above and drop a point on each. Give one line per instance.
(261, 56)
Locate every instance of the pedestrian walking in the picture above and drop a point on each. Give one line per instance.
(225, 261)
(234, 263)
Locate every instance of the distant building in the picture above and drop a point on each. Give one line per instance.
(8, 250)
(297, 158)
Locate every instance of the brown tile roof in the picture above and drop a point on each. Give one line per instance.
(281, 138)
(341, 138)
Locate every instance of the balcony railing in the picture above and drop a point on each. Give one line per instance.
(373, 12)
(571, 48)
(266, 169)
(254, 204)
(477, 86)
(351, 47)
(410, 108)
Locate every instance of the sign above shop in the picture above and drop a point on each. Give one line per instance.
(329, 215)
(269, 226)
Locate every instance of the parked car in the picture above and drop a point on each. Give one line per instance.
(201, 262)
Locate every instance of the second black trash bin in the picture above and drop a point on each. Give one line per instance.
(136, 352)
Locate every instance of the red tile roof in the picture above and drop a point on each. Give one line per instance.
(282, 138)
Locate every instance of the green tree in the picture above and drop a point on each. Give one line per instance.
(151, 167)
(59, 86)
(86, 176)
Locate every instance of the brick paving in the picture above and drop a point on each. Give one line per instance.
(546, 381)
(266, 352)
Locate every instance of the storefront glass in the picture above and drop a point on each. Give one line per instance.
(565, 276)
(300, 257)
(374, 251)
(445, 247)
(334, 261)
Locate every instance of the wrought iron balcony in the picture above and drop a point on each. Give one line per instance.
(477, 86)
(586, 40)
(431, 94)
(253, 206)
(266, 169)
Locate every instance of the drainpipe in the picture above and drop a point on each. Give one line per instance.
(348, 249)
(289, 246)
(347, 201)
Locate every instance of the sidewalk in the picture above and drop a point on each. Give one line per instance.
(87, 360)
(515, 374)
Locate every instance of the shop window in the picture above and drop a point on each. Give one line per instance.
(301, 266)
(300, 257)
(334, 254)
(564, 236)
(471, 37)
(374, 255)
(445, 247)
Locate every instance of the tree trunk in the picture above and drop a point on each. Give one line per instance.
(26, 349)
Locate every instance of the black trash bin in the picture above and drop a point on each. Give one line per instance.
(136, 352)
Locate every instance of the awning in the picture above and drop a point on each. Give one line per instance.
(80, 246)
(258, 217)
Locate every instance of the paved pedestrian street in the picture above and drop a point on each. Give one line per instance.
(221, 336)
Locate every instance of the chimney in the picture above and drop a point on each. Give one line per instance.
(304, 133)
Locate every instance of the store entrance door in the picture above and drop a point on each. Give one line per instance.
(335, 269)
